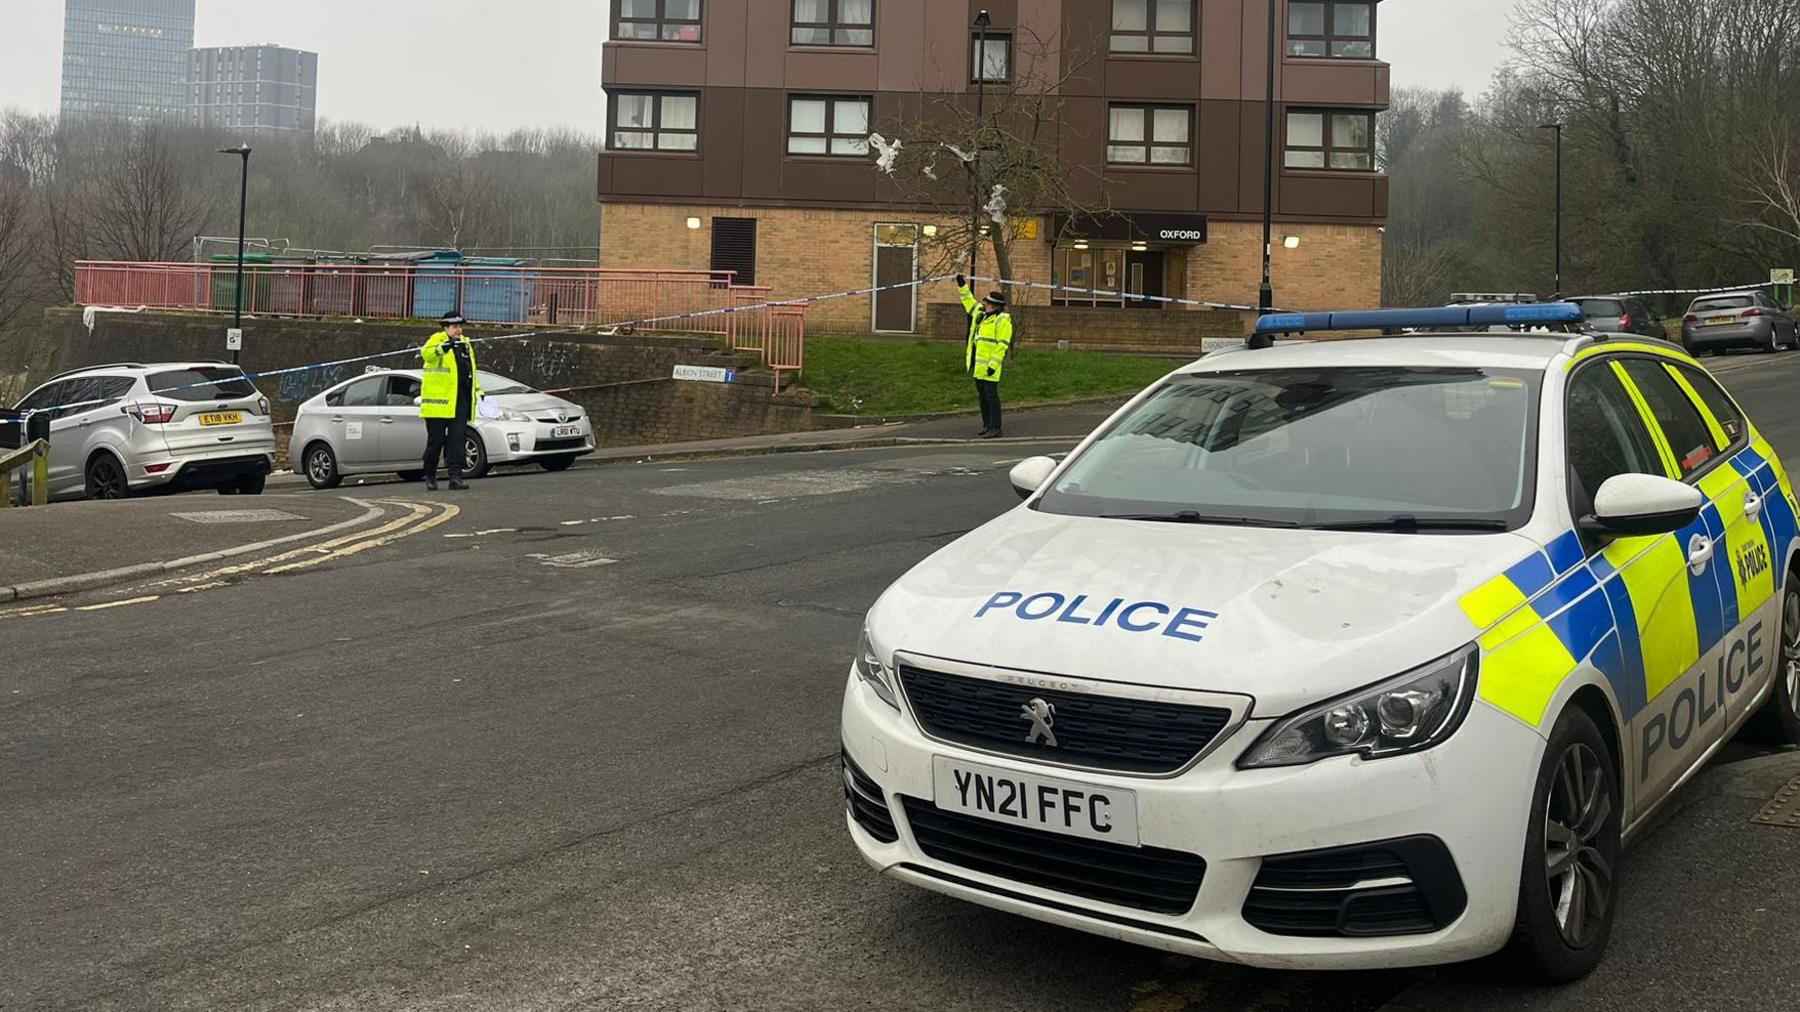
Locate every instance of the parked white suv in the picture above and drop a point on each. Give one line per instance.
(119, 430)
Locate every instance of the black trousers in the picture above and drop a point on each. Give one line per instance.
(989, 393)
(446, 437)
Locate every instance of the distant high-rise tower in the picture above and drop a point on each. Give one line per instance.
(255, 89)
(126, 58)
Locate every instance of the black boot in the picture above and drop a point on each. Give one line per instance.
(430, 482)
(456, 485)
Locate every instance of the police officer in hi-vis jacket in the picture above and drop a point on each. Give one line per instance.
(990, 342)
(448, 398)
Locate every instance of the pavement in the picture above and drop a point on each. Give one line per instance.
(568, 741)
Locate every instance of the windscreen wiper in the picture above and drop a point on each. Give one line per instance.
(1404, 522)
(1196, 517)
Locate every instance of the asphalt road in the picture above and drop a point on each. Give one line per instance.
(571, 748)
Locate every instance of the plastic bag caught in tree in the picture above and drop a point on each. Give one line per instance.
(886, 152)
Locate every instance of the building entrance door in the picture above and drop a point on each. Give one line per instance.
(896, 263)
(1144, 276)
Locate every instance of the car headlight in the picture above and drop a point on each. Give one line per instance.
(1406, 714)
(509, 415)
(870, 669)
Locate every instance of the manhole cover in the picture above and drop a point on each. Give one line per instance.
(1783, 809)
(574, 560)
(237, 516)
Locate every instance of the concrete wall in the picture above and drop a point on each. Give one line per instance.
(624, 382)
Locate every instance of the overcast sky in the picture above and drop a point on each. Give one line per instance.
(493, 66)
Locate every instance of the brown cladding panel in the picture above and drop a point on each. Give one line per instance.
(604, 175)
(1217, 143)
(944, 49)
(722, 127)
(1384, 78)
(652, 176)
(1086, 26)
(1151, 189)
(723, 30)
(1038, 44)
(1221, 49)
(1381, 197)
(1321, 194)
(827, 180)
(1329, 82)
(766, 44)
(1153, 79)
(827, 71)
(1083, 132)
(1254, 46)
(765, 143)
(659, 66)
(1252, 156)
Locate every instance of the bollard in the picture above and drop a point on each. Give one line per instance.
(40, 476)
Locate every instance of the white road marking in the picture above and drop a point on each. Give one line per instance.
(120, 604)
(449, 513)
(33, 612)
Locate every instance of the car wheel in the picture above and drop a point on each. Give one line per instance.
(321, 467)
(1773, 344)
(557, 463)
(106, 478)
(475, 458)
(410, 475)
(1568, 886)
(1779, 721)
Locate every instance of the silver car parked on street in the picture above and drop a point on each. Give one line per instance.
(118, 430)
(1748, 319)
(371, 425)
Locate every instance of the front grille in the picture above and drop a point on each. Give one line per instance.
(553, 420)
(1144, 878)
(543, 445)
(1397, 887)
(1095, 731)
(862, 796)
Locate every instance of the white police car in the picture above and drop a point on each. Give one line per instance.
(1348, 654)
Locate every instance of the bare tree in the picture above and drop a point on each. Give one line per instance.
(147, 206)
(1013, 156)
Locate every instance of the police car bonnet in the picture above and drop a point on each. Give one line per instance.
(1285, 615)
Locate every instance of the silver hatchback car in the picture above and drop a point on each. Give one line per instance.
(1747, 319)
(371, 425)
(119, 430)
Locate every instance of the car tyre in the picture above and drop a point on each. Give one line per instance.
(410, 475)
(106, 478)
(562, 463)
(1568, 887)
(475, 458)
(1779, 721)
(321, 466)
(1773, 344)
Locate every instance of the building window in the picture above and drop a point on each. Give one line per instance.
(1153, 26)
(1149, 134)
(655, 121)
(828, 125)
(834, 23)
(1331, 140)
(992, 64)
(658, 21)
(1332, 28)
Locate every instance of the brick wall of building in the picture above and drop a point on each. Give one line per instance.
(804, 252)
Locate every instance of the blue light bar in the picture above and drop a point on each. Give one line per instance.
(1529, 314)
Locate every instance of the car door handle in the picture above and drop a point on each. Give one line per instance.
(1753, 505)
(387, 421)
(1700, 552)
(337, 418)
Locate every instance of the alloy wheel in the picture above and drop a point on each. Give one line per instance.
(1579, 810)
(470, 458)
(318, 466)
(1790, 647)
(105, 481)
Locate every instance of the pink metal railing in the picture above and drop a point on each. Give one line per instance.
(677, 301)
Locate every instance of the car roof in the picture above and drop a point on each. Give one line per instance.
(1747, 293)
(135, 367)
(1502, 351)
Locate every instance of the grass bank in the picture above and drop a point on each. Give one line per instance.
(868, 377)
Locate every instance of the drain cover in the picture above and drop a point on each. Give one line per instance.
(237, 516)
(1783, 809)
(574, 560)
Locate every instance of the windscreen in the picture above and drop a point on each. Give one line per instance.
(1317, 448)
(499, 386)
(202, 383)
(1601, 308)
(1723, 302)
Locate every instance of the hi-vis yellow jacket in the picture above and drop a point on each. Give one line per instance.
(990, 338)
(438, 391)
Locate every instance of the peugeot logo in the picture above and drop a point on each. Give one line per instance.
(1043, 717)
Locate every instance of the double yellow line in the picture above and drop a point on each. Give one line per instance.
(417, 518)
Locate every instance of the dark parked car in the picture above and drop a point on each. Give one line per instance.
(1749, 319)
(1620, 314)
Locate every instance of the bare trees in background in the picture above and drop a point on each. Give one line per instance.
(115, 191)
(1682, 151)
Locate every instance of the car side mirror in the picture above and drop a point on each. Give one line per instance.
(1030, 474)
(418, 402)
(1640, 505)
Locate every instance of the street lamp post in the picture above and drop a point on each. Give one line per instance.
(1265, 295)
(982, 21)
(1558, 127)
(237, 310)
